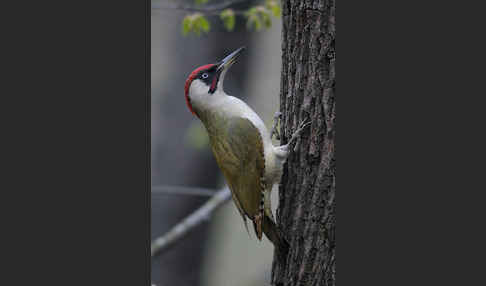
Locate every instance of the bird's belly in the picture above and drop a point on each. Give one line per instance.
(273, 167)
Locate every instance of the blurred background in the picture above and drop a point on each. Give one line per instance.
(218, 252)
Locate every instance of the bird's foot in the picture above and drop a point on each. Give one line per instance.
(276, 118)
(298, 133)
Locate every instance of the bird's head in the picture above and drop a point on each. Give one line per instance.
(205, 83)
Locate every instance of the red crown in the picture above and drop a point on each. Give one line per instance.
(189, 80)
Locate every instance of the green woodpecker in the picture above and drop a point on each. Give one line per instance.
(241, 144)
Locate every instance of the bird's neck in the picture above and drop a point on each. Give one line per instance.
(216, 113)
(214, 119)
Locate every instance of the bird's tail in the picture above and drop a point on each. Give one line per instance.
(271, 231)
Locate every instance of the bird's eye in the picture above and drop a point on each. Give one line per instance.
(204, 75)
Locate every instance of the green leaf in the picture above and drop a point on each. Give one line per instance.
(204, 23)
(199, 2)
(254, 21)
(230, 23)
(265, 16)
(258, 17)
(251, 11)
(195, 23)
(228, 17)
(186, 25)
(197, 28)
(274, 7)
(258, 24)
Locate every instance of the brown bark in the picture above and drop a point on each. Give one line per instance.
(306, 212)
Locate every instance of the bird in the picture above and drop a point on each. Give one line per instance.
(241, 145)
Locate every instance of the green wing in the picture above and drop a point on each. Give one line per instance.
(242, 161)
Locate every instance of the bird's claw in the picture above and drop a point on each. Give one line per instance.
(298, 133)
(276, 117)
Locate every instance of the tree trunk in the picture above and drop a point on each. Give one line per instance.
(306, 212)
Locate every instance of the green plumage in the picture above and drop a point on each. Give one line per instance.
(238, 148)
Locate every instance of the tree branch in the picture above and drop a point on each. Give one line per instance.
(173, 190)
(206, 9)
(163, 243)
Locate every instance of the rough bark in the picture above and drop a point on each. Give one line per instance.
(306, 212)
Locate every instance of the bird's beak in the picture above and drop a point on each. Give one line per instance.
(223, 66)
(229, 60)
